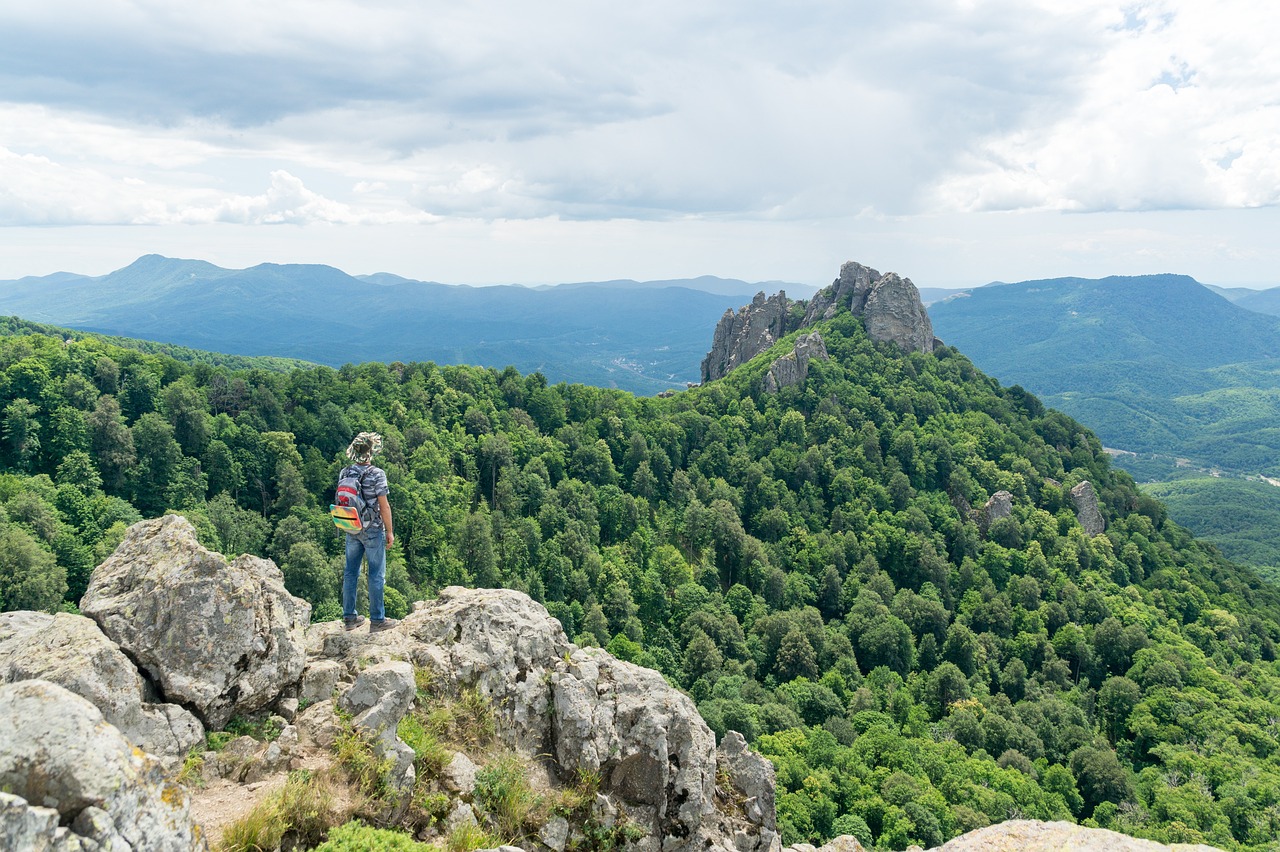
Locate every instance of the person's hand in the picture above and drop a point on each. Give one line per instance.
(391, 538)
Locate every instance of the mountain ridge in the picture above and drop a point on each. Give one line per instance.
(641, 336)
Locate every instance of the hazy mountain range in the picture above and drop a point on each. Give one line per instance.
(639, 336)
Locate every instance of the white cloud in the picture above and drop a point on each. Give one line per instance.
(1181, 110)
(849, 118)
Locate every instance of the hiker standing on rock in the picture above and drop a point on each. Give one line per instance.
(373, 539)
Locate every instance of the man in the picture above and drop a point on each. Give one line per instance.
(372, 541)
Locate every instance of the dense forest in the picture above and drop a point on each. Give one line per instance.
(1240, 516)
(806, 564)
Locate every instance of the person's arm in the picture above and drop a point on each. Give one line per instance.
(384, 509)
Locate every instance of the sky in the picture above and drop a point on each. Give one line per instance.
(955, 143)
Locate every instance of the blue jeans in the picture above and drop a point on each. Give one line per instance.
(373, 544)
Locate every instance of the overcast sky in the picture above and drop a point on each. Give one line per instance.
(953, 142)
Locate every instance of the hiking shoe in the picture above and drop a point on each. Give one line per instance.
(384, 624)
(352, 623)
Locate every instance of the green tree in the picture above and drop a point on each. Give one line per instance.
(30, 576)
(21, 433)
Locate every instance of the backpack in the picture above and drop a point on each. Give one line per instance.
(350, 512)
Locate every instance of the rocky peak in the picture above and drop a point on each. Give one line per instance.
(742, 335)
(888, 303)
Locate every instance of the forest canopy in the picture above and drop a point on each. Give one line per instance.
(808, 565)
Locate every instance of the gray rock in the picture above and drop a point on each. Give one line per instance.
(1000, 505)
(71, 651)
(555, 834)
(645, 739)
(1025, 835)
(57, 752)
(843, 843)
(318, 726)
(754, 778)
(742, 335)
(656, 757)
(319, 679)
(461, 815)
(380, 697)
(287, 708)
(496, 641)
(894, 314)
(460, 775)
(233, 761)
(24, 826)
(219, 638)
(890, 306)
(1088, 512)
(793, 368)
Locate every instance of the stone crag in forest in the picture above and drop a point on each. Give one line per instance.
(821, 567)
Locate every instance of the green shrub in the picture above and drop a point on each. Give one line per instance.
(355, 836)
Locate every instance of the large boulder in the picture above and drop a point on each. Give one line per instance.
(1000, 505)
(645, 739)
(894, 314)
(71, 651)
(496, 641)
(58, 754)
(753, 777)
(220, 638)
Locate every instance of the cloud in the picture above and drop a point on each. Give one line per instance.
(288, 202)
(36, 190)
(406, 111)
(1180, 111)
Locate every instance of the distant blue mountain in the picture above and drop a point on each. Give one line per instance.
(639, 336)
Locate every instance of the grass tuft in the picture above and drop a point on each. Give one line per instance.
(503, 789)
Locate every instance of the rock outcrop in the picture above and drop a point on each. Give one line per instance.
(72, 780)
(655, 757)
(75, 782)
(793, 368)
(889, 305)
(219, 638)
(1088, 513)
(71, 651)
(1000, 505)
(744, 334)
(378, 700)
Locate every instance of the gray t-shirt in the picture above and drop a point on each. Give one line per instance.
(373, 484)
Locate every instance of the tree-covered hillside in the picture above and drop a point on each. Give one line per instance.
(1241, 517)
(1154, 363)
(805, 564)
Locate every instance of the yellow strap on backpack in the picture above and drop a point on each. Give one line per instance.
(346, 518)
